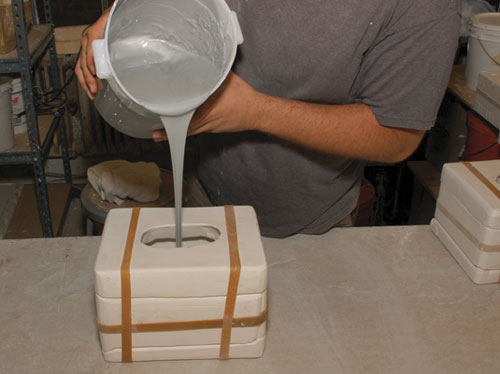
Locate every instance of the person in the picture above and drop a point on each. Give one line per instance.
(317, 90)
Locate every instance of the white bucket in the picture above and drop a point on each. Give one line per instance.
(6, 130)
(18, 111)
(165, 41)
(483, 47)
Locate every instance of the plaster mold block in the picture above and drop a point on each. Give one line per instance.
(467, 218)
(179, 299)
(477, 275)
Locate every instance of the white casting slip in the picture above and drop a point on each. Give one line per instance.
(467, 218)
(189, 285)
(162, 59)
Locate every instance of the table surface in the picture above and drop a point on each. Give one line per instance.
(355, 300)
(457, 86)
(427, 174)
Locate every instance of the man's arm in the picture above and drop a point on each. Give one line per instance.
(346, 130)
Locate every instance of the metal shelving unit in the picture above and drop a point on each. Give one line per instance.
(31, 46)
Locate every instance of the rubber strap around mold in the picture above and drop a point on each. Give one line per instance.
(481, 246)
(126, 327)
(482, 178)
(232, 287)
(187, 325)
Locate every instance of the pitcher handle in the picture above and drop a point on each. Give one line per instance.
(237, 29)
(101, 59)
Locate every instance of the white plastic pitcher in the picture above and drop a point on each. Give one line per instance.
(145, 60)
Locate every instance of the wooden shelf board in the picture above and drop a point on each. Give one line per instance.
(427, 175)
(36, 35)
(458, 87)
(25, 222)
(68, 39)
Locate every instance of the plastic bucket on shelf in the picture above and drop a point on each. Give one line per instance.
(483, 46)
(6, 130)
(482, 140)
(18, 111)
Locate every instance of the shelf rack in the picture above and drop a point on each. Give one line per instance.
(30, 47)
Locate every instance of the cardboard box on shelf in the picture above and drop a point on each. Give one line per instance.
(7, 30)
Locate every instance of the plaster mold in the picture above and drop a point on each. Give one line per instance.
(467, 218)
(169, 284)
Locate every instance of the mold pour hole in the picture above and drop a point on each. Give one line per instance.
(192, 236)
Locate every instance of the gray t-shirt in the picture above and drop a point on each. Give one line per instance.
(393, 55)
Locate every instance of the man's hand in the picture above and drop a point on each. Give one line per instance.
(231, 108)
(85, 67)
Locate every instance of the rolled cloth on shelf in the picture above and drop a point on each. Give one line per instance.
(118, 180)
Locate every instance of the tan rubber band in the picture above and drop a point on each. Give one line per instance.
(482, 178)
(126, 328)
(232, 291)
(483, 247)
(186, 325)
(232, 287)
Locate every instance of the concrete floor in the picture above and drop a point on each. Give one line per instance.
(13, 178)
(75, 221)
(9, 195)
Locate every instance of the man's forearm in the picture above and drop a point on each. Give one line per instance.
(347, 130)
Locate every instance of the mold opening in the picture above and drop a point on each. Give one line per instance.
(192, 236)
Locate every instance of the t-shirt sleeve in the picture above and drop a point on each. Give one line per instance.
(404, 75)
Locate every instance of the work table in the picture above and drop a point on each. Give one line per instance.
(355, 300)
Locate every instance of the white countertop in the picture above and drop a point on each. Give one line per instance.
(355, 300)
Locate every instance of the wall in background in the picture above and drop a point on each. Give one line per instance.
(73, 12)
